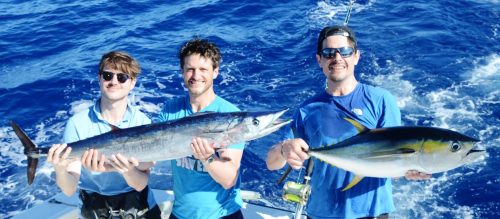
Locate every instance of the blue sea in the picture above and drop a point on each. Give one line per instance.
(441, 59)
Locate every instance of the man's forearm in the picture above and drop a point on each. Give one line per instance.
(67, 182)
(137, 179)
(222, 171)
(275, 159)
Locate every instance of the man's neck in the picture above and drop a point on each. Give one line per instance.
(201, 101)
(341, 88)
(113, 111)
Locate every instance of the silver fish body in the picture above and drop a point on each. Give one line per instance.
(168, 140)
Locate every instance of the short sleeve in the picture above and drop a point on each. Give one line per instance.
(391, 115)
(70, 132)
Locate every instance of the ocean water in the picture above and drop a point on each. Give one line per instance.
(441, 59)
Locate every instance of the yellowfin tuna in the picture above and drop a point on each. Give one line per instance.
(391, 152)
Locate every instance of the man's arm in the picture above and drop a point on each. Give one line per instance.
(67, 171)
(291, 151)
(224, 170)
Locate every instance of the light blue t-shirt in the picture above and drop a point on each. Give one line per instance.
(197, 195)
(89, 123)
(320, 122)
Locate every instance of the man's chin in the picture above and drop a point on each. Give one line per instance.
(114, 97)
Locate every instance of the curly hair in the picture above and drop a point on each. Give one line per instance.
(203, 47)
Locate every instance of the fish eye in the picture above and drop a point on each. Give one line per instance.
(455, 146)
(255, 122)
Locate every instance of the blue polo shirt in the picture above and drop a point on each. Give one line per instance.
(89, 123)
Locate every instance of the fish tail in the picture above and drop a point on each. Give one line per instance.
(29, 147)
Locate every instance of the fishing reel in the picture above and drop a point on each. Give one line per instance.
(296, 192)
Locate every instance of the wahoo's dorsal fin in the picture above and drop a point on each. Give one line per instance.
(353, 182)
(398, 152)
(359, 127)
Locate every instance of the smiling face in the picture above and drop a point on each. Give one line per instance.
(113, 90)
(118, 73)
(338, 69)
(199, 74)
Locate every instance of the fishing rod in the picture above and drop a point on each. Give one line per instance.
(346, 20)
(300, 192)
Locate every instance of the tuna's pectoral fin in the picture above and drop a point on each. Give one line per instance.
(359, 127)
(398, 152)
(353, 182)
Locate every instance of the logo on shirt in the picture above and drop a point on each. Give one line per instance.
(191, 163)
(357, 111)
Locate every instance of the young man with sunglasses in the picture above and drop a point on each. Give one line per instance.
(115, 186)
(320, 121)
(207, 184)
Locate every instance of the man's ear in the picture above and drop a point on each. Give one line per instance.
(357, 55)
(216, 73)
(133, 83)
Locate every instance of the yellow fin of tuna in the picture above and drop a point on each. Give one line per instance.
(359, 127)
(353, 182)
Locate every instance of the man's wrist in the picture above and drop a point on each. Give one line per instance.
(282, 152)
(208, 161)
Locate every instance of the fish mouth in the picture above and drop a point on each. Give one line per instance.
(275, 124)
(475, 151)
(473, 154)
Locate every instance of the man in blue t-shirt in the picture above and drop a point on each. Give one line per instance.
(109, 186)
(207, 184)
(320, 121)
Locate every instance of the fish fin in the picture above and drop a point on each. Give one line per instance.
(357, 125)
(389, 153)
(29, 147)
(353, 182)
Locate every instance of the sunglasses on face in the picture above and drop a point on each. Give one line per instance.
(343, 51)
(108, 76)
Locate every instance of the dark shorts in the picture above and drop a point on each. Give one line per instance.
(235, 215)
(133, 205)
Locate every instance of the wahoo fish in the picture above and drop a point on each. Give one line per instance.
(391, 152)
(166, 140)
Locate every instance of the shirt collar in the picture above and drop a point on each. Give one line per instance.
(96, 109)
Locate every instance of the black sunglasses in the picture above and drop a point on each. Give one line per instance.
(108, 76)
(343, 51)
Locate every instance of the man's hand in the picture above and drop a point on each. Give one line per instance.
(416, 175)
(60, 162)
(92, 161)
(294, 152)
(202, 150)
(122, 164)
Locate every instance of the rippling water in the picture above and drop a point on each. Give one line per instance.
(441, 59)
